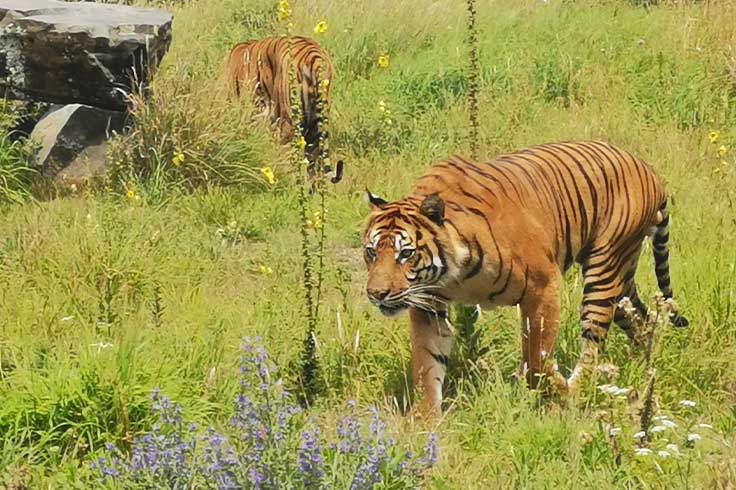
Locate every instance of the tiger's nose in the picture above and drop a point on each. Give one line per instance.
(377, 294)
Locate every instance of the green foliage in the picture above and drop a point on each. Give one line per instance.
(17, 174)
(555, 80)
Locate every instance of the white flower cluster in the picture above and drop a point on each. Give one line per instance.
(614, 390)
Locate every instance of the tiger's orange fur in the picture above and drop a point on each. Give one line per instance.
(503, 233)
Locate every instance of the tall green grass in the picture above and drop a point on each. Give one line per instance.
(104, 297)
(17, 174)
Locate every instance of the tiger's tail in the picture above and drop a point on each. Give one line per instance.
(316, 124)
(661, 262)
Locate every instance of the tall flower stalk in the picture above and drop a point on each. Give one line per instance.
(310, 175)
(469, 348)
(473, 78)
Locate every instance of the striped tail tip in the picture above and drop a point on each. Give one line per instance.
(678, 321)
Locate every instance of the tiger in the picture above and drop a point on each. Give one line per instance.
(261, 69)
(503, 233)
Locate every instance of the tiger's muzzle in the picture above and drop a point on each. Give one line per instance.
(387, 303)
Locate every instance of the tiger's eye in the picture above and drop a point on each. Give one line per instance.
(370, 254)
(406, 253)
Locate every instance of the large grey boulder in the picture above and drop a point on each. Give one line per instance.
(78, 52)
(72, 141)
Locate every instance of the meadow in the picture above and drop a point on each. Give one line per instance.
(153, 279)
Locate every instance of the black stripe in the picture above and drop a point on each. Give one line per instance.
(441, 358)
(523, 291)
(629, 275)
(479, 261)
(600, 303)
(505, 284)
(660, 240)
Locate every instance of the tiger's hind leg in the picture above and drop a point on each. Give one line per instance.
(631, 313)
(604, 280)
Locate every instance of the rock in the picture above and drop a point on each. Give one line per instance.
(78, 52)
(72, 141)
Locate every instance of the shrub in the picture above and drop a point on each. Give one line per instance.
(186, 134)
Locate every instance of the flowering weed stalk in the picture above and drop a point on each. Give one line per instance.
(469, 349)
(473, 78)
(638, 430)
(311, 165)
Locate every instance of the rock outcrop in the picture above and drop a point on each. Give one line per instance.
(86, 57)
(78, 52)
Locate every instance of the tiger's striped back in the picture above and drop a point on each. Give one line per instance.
(586, 194)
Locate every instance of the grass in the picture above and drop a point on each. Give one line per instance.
(105, 297)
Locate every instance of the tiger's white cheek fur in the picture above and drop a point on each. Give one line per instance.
(461, 254)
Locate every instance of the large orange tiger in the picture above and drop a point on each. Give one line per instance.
(261, 69)
(503, 233)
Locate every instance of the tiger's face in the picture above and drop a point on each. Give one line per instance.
(402, 249)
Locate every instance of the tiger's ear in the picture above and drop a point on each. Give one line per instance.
(374, 201)
(433, 207)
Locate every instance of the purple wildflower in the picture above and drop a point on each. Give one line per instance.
(431, 451)
(348, 432)
(266, 446)
(310, 461)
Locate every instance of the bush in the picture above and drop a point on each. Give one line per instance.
(188, 135)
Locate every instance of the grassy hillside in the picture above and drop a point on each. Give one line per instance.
(153, 282)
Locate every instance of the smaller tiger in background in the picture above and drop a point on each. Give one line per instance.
(261, 68)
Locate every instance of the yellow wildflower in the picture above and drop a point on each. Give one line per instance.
(131, 195)
(178, 159)
(722, 151)
(301, 143)
(384, 108)
(267, 172)
(713, 136)
(324, 83)
(317, 222)
(284, 10)
(383, 61)
(265, 270)
(321, 27)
